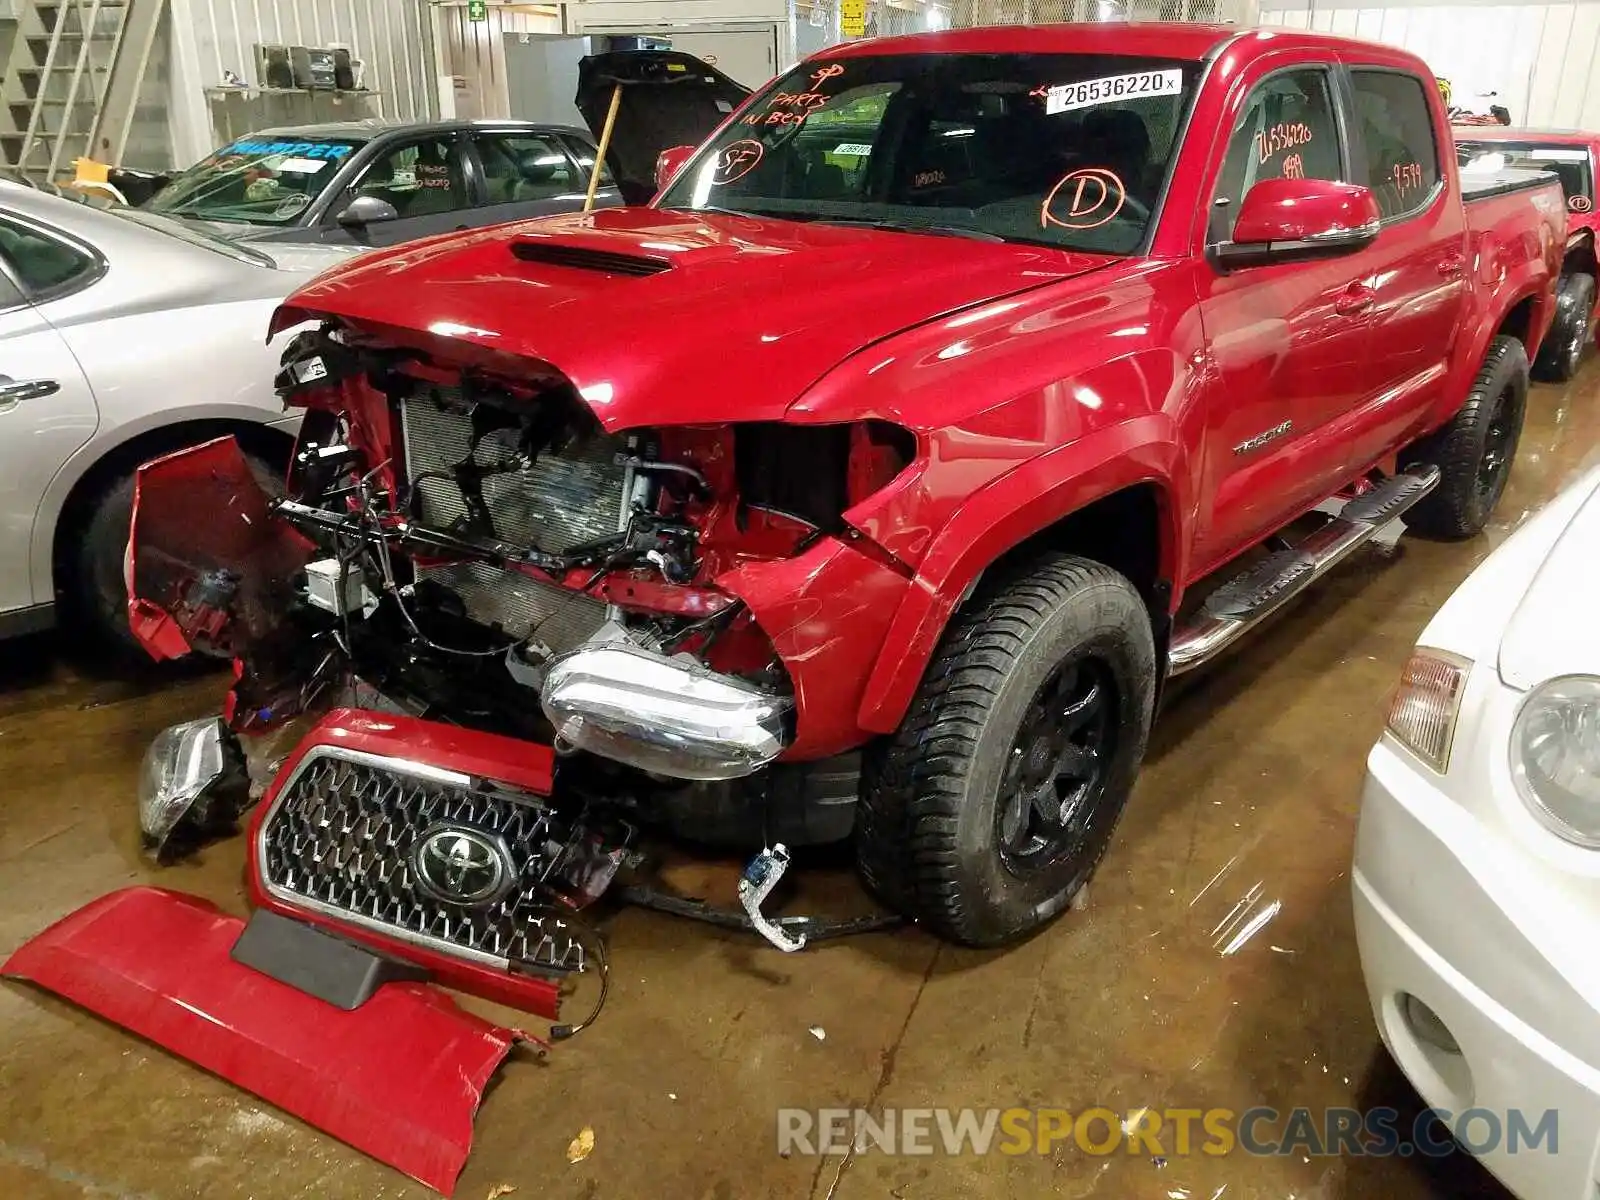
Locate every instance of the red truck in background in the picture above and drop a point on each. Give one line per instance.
(868, 483)
(1570, 154)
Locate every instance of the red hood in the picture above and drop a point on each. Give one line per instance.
(724, 318)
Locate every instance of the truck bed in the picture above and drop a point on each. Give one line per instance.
(1482, 185)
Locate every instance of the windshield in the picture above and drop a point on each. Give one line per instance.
(1570, 163)
(1058, 149)
(255, 181)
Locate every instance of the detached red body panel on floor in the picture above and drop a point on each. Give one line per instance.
(399, 1078)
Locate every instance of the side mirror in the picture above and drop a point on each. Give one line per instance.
(367, 210)
(1292, 220)
(670, 162)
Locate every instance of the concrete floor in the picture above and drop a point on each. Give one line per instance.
(1246, 807)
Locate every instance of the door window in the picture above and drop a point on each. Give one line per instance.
(1397, 137)
(584, 153)
(519, 166)
(44, 266)
(418, 178)
(1286, 130)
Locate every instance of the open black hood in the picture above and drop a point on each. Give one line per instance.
(668, 99)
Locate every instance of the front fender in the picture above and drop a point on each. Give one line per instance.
(1001, 516)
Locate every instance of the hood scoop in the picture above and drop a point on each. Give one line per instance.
(582, 258)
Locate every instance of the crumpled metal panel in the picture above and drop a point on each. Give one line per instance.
(399, 1078)
(207, 568)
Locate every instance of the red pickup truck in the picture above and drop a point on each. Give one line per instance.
(869, 482)
(1570, 155)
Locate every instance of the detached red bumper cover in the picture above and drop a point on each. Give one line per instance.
(399, 1078)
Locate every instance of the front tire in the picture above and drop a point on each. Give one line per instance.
(1475, 450)
(1562, 350)
(997, 798)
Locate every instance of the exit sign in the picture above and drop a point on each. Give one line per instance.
(477, 10)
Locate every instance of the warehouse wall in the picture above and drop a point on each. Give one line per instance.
(392, 38)
(1540, 58)
(474, 53)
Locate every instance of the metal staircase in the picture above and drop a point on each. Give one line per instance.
(72, 82)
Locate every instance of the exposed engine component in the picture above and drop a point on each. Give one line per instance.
(337, 587)
(477, 468)
(669, 716)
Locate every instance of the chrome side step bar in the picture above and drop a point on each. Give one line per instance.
(1262, 589)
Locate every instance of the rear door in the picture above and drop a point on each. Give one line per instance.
(424, 178)
(1418, 263)
(46, 408)
(521, 174)
(1285, 340)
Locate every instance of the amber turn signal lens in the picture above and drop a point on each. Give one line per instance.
(1423, 712)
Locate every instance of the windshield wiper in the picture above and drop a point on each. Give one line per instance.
(977, 235)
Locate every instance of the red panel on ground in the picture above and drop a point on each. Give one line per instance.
(400, 1078)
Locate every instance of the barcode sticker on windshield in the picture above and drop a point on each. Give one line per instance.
(301, 166)
(857, 149)
(1066, 96)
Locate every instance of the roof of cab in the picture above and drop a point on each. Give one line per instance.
(1163, 39)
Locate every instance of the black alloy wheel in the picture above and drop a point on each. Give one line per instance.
(1057, 767)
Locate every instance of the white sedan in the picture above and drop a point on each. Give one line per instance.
(122, 336)
(1477, 869)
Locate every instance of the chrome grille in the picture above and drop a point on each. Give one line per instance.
(523, 607)
(564, 499)
(339, 838)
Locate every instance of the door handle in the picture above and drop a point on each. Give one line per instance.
(1356, 298)
(15, 391)
(1452, 266)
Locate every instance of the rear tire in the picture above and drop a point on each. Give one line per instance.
(1475, 450)
(1561, 353)
(997, 798)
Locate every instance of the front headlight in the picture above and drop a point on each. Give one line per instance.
(1423, 712)
(194, 775)
(1555, 757)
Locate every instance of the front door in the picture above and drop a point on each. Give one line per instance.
(1285, 341)
(46, 408)
(425, 181)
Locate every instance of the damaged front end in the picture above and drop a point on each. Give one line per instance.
(516, 636)
(467, 543)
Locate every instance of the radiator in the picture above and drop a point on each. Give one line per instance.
(564, 500)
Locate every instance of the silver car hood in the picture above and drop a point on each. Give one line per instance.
(309, 258)
(1553, 630)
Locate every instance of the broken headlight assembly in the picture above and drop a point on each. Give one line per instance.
(193, 782)
(1555, 757)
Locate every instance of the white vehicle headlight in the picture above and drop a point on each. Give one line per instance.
(1423, 712)
(1555, 756)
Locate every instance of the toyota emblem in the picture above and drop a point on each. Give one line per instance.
(462, 865)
